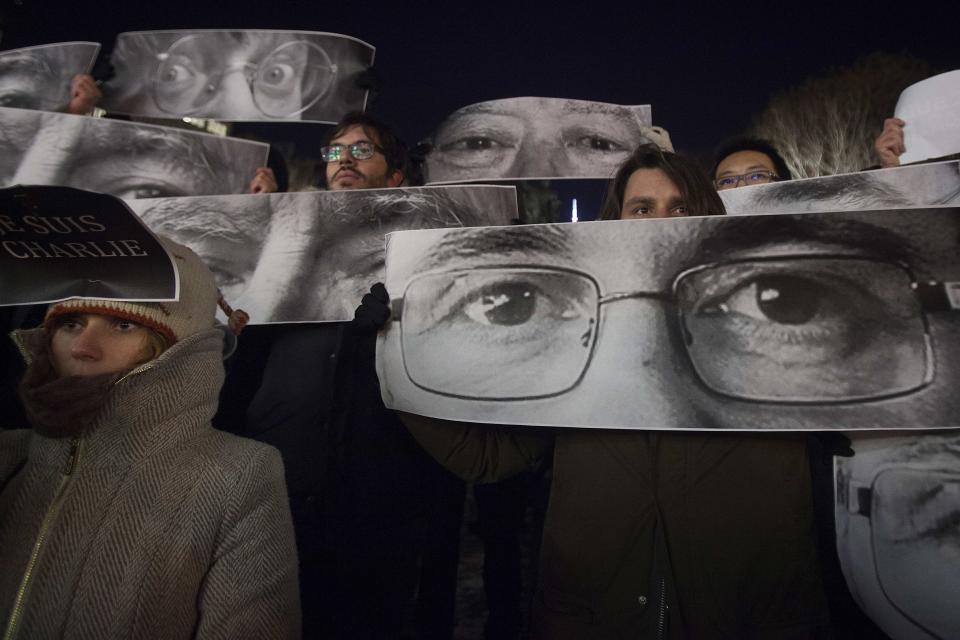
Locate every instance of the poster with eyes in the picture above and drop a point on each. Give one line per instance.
(922, 185)
(238, 75)
(126, 159)
(536, 138)
(897, 508)
(840, 320)
(310, 256)
(39, 77)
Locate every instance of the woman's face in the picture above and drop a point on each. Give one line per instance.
(90, 344)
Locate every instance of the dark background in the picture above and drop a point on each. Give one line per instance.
(705, 70)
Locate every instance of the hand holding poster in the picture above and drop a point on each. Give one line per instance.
(58, 243)
(931, 110)
(310, 256)
(820, 321)
(238, 75)
(39, 77)
(127, 159)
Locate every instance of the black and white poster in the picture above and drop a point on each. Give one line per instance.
(127, 159)
(39, 77)
(536, 138)
(238, 75)
(841, 320)
(898, 531)
(922, 185)
(58, 243)
(931, 110)
(310, 256)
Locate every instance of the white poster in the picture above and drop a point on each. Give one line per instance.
(931, 110)
(126, 159)
(310, 256)
(238, 75)
(841, 320)
(39, 77)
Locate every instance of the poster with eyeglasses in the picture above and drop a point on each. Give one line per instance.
(536, 138)
(841, 320)
(39, 77)
(897, 509)
(238, 75)
(310, 256)
(125, 159)
(921, 185)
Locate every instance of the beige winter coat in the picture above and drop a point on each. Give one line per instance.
(152, 524)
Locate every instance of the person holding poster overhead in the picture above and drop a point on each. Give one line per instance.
(123, 513)
(653, 534)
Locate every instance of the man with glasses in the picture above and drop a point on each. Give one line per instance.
(362, 492)
(362, 154)
(744, 162)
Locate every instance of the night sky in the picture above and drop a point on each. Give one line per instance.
(705, 71)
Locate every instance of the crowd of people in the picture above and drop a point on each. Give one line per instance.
(312, 510)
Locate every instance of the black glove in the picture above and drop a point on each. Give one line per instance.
(374, 311)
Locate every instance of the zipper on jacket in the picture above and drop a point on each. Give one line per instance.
(16, 614)
(662, 609)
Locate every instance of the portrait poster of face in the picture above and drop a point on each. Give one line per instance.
(897, 508)
(841, 320)
(58, 243)
(126, 159)
(931, 110)
(39, 77)
(310, 256)
(922, 185)
(238, 75)
(536, 138)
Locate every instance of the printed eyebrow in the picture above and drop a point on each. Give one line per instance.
(23, 63)
(738, 233)
(534, 243)
(207, 221)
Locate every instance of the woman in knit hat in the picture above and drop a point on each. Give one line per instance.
(123, 513)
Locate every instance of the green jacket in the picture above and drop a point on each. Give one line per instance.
(720, 524)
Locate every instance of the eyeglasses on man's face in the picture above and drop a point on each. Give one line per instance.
(362, 150)
(748, 179)
(286, 82)
(911, 514)
(794, 329)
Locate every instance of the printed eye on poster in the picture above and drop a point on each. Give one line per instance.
(234, 75)
(310, 256)
(536, 138)
(58, 243)
(840, 320)
(921, 185)
(39, 77)
(129, 160)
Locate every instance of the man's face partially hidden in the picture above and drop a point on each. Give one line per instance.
(350, 173)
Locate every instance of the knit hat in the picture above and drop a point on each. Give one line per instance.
(192, 313)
